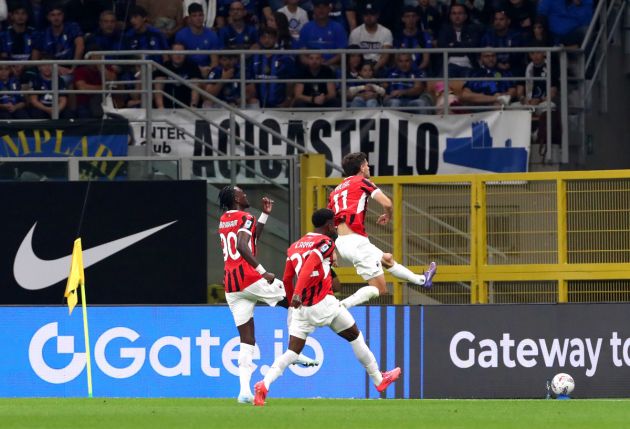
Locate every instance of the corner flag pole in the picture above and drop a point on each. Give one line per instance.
(88, 358)
(76, 278)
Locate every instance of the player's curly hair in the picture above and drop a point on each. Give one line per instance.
(352, 162)
(321, 216)
(227, 198)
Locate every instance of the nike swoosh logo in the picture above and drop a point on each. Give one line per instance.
(33, 273)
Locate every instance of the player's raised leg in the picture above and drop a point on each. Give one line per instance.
(377, 286)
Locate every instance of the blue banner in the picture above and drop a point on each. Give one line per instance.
(63, 138)
(163, 352)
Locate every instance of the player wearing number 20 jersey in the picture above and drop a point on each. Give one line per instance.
(238, 273)
(319, 284)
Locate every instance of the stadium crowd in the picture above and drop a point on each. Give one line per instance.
(65, 30)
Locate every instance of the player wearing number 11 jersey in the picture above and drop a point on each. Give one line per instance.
(349, 202)
(314, 305)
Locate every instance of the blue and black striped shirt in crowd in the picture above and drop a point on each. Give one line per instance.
(232, 39)
(151, 39)
(231, 91)
(512, 39)
(490, 87)
(60, 46)
(105, 42)
(399, 74)
(12, 84)
(40, 83)
(421, 39)
(262, 66)
(18, 46)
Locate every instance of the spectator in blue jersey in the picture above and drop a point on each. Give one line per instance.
(228, 92)
(254, 11)
(85, 13)
(107, 36)
(407, 93)
(62, 40)
(18, 41)
(41, 105)
(413, 37)
(522, 14)
(459, 34)
(430, 19)
(365, 94)
(184, 68)
(323, 33)
(142, 37)
(12, 106)
(238, 34)
(568, 19)
(269, 66)
(315, 87)
(488, 92)
(198, 37)
(344, 12)
(502, 36)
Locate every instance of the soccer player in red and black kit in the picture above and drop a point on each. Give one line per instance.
(349, 203)
(315, 305)
(246, 281)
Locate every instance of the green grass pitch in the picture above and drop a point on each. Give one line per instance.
(120, 413)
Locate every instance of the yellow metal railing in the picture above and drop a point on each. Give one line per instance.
(502, 238)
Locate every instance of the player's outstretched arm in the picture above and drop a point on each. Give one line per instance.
(242, 245)
(267, 206)
(387, 205)
(287, 279)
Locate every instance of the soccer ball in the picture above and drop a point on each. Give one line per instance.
(562, 384)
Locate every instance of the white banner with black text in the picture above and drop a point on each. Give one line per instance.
(397, 143)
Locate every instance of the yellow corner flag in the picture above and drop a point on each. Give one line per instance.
(76, 277)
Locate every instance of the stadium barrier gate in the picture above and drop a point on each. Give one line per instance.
(500, 238)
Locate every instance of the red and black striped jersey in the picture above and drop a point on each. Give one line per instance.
(349, 202)
(238, 272)
(312, 286)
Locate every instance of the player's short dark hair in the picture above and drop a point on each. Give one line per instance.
(194, 7)
(321, 216)
(227, 198)
(352, 162)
